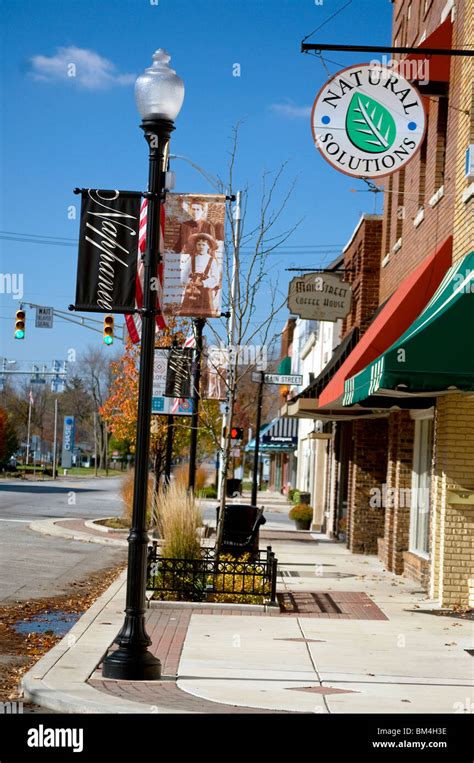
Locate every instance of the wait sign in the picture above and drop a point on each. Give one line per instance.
(44, 318)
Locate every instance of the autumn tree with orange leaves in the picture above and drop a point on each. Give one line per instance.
(120, 412)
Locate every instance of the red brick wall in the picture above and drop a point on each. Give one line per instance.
(402, 205)
(362, 266)
(368, 470)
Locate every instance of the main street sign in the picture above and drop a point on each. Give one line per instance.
(288, 379)
(368, 121)
(319, 297)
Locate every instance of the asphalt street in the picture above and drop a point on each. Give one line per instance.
(34, 565)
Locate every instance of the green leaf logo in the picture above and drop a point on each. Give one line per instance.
(369, 125)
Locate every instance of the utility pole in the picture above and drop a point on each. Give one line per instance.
(232, 366)
(169, 447)
(55, 441)
(30, 402)
(106, 451)
(95, 443)
(198, 326)
(255, 474)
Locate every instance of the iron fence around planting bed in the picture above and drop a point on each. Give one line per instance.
(211, 576)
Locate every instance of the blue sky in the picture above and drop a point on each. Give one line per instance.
(59, 132)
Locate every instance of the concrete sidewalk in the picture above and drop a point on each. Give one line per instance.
(353, 639)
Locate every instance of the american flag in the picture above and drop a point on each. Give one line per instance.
(31, 399)
(190, 342)
(134, 322)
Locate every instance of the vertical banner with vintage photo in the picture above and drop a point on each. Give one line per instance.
(194, 254)
(108, 247)
(214, 374)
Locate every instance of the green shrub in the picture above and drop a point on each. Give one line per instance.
(208, 492)
(301, 511)
(295, 498)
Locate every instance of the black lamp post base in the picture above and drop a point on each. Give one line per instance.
(124, 665)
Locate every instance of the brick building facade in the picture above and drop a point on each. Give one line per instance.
(400, 476)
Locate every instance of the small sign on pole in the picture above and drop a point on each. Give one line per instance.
(160, 403)
(288, 379)
(44, 318)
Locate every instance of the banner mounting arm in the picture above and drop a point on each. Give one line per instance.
(317, 47)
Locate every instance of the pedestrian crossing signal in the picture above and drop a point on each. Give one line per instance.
(108, 334)
(20, 324)
(237, 433)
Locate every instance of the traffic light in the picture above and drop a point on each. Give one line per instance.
(108, 329)
(20, 324)
(237, 433)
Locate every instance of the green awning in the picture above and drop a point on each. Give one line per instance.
(434, 354)
(284, 366)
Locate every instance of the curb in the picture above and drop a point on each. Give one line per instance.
(93, 524)
(49, 527)
(58, 681)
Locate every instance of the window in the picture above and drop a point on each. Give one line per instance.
(420, 487)
(422, 175)
(400, 203)
(441, 134)
(388, 217)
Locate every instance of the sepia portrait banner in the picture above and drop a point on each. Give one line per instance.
(194, 253)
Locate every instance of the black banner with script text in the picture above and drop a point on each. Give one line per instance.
(108, 248)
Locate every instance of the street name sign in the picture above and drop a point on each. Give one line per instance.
(44, 318)
(290, 379)
(368, 121)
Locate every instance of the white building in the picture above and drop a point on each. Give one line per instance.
(313, 345)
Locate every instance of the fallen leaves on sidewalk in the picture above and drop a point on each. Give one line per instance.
(20, 651)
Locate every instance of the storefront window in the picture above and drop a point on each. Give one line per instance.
(420, 484)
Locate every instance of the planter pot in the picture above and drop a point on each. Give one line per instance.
(303, 524)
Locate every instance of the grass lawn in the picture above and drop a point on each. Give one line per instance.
(84, 471)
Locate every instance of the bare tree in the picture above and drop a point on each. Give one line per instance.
(95, 372)
(249, 285)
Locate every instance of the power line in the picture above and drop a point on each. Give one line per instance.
(327, 20)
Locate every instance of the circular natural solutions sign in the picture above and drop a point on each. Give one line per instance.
(368, 121)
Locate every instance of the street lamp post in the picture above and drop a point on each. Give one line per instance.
(159, 94)
(199, 324)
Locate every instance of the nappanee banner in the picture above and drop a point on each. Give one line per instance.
(108, 248)
(194, 252)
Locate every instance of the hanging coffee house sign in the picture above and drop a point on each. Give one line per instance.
(368, 121)
(319, 297)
